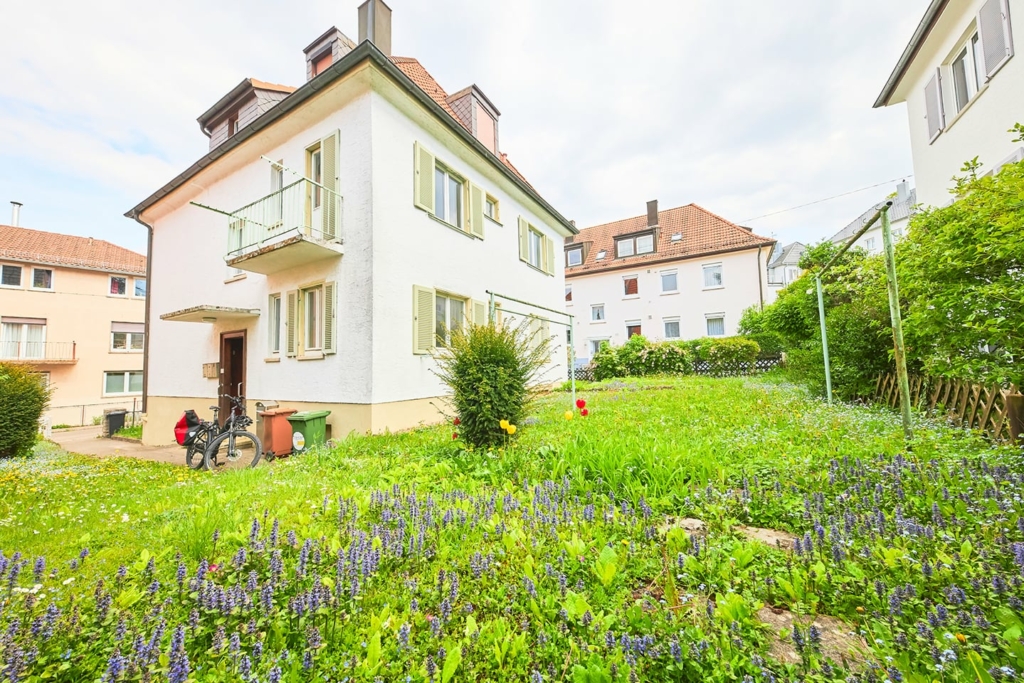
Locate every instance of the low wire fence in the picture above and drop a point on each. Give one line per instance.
(85, 414)
(585, 373)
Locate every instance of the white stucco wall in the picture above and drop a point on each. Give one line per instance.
(980, 130)
(871, 241)
(691, 304)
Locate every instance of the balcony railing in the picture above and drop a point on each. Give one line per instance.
(302, 212)
(38, 353)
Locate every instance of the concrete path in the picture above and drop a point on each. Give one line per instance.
(87, 441)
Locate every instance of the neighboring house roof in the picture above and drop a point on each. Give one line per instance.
(788, 255)
(51, 248)
(702, 233)
(900, 210)
(924, 28)
(407, 72)
(247, 85)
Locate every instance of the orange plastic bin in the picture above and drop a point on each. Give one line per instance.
(277, 432)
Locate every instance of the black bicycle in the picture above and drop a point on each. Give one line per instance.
(232, 442)
(199, 439)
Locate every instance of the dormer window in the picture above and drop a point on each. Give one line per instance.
(574, 257)
(232, 124)
(634, 245)
(322, 62)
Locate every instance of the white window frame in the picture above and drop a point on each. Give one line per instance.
(135, 287)
(673, 273)
(569, 253)
(492, 209)
(966, 51)
(22, 342)
(32, 283)
(449, 298)
(315, 161)
(129, 337)
(708, 317)
(126, 378)
(634, 323)
(625, 279)
(534, 238)
(634, 245)
(869, 243)
(274, 310)
(594, 308)
(442, 192)
(709, 267)
(595, 345)
(669, 321)
(568, 295)
(21, 276)
(317, 292)
(110, 287)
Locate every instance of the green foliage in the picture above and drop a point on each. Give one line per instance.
(130, 432)
(23, 398)
(639, 357)
(752, 327)
(725, 355)
(492, 371)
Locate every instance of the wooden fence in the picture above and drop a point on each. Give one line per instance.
(965, 404)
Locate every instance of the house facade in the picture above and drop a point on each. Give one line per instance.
(682, 273)
(904, 203)
(73, 310)
(784, 266)
(362, 217)
(964, 90)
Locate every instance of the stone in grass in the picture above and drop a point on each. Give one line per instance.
(839, 640)
(771, 537)
(693, 527)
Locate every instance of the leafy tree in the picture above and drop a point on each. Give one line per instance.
(23, 398)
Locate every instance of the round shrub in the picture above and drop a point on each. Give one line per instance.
(23, 398)
(492, 371)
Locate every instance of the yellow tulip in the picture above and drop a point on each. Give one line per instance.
(962, 638)
(503, 424)
(568, 415)
(511, 429)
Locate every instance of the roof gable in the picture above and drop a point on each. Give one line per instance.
(71, 251)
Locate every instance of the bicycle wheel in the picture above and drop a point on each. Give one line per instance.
(195, 456)
(234, 447)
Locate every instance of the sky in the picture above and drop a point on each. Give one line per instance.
(748, 107)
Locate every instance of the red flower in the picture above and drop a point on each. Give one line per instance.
(214, 567)
(456, 422)
(584, 412)
(581, 404)
(455, 435)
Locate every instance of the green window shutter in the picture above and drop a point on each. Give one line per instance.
(330, 317)
(292, 323)
(480, 312)
(330, 214)
(422, 319)
(476, 210)
(524, 240)
(549, 255)
(423, 179)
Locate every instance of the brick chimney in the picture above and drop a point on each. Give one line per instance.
(326, 50)
(375, 24)
(478, 114)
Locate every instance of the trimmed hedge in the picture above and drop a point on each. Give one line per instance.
(23, 398)
(639, 357)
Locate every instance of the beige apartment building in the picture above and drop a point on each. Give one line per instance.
(73, 310)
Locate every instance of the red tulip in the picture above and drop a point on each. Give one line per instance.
(581, 404)
(584, 412)
(455, 435)
(456, 422)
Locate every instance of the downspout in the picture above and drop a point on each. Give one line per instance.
(760, 288)
(149, 297)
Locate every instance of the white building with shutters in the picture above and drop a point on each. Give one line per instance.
(964, 90)
(362, 216)
(682, 273)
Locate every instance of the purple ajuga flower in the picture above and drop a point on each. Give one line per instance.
(274, 675)
(116, 666)
(38, 569)
(530, 588)
(178, 668)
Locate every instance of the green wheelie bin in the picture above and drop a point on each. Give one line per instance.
(309, 428)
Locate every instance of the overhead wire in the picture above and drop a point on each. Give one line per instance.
(827, 199)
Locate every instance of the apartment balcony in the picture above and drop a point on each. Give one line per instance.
(38, 353)
(297, 225)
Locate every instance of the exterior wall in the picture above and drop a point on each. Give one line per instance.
(871, 241)
(79, 310)
(980, 130)
(740, 290)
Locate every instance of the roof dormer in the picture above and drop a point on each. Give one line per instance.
(326, 50)
(478, 114)
(240, 107)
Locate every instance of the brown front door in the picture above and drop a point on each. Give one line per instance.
(232, 370)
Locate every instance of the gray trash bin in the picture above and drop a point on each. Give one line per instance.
(115, 421)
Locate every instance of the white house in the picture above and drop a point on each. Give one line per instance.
(318, 254)
(963, 89)
(682, 273)
(784, 265)
(904, 204)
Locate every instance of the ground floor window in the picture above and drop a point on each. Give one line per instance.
(122, 383)
(715, 324)
(672, 328)
(449, 316)
(595, 346)
(274, 320)
(632, 329)
(312, 314)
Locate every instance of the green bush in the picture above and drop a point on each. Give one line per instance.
(23, 398)
(725, 354)
(639, 357)
(667, 358)
(492, 371)
(606, 363)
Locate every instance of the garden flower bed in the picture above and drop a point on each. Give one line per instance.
(630, 544)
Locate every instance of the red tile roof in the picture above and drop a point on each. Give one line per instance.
(36, 246)
(412, 68)
(702, 233)
(263, 85)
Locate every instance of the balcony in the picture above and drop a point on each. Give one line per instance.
(38, 353)
(297, 225)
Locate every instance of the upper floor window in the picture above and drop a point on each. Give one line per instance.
(669, 282)
(22, 337)
(638, 244)
(118, 285)
(128, 337)
(568, 293)
(10, 276)
(968, 73)
(314, 166)
(42, 278)
(448, 196)
(274, 321)
(232, 124)
(574, 257)
(309, 330)
(536, 244)
(631, 285)
(491, 208)
(140, 287)
(322, 62)
(713, 276)
(597, 312)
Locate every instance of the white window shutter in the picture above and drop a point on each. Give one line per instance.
(524, 240)
(549, 255)
(996, 36)
(934, 110)
(330, 317)
(292, 322)
(422, 319)
(479, 312)
(476, 210)
(329, 179)
(423, 178)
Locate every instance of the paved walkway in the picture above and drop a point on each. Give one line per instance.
(87, 441)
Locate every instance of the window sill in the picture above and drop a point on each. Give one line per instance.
(533, 267)
(711, 289)
(598, 322)
(272, 359)
(312, 355)
(631, 297)
(42, 289)
(126, 352)
(495, 221)
(452, 227)
(235, 278)
(670, 293)
(960, 114)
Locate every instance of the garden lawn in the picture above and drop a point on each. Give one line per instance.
(611, 547)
